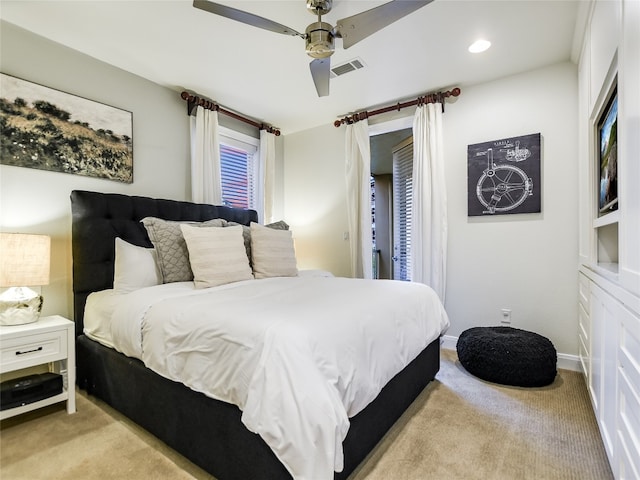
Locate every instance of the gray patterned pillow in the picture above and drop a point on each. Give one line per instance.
(173, 256)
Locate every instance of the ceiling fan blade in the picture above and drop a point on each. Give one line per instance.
(320, 71)
(245, 17)
(357, 27)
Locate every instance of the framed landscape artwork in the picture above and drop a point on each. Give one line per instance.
(48, 129)
(608, 157)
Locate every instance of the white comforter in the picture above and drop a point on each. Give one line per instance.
(299, 355)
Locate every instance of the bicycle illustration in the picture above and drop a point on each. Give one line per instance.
(503, 187)
(517, 154)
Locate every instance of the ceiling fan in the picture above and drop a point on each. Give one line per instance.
(319, 36)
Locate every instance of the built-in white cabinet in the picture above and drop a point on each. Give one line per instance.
(611, 362)
(609, 242)
(609, 66)
(628, 377)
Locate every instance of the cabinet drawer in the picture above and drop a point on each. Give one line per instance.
(629, 428)
(584, 357)
(29, 350)
(582, 347)
(583, 291)
(629, 394)
(629, 350)
(584, 323)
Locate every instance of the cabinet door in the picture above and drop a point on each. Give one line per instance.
(629, 396)
(603, 386)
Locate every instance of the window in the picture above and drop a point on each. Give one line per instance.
(402, 198)
(239, 169)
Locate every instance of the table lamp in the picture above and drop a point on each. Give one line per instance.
(24, 261)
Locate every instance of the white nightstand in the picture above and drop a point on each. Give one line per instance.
(50, 340)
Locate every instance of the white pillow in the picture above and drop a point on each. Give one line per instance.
(272, 252)
(134, 268)
(217, 255)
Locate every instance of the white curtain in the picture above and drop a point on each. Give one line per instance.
(265, 187)
(358, 168)
(206, 186)
(429, 202)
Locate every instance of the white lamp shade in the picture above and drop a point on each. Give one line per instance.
(24, 259)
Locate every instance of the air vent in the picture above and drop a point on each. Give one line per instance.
(347, 67)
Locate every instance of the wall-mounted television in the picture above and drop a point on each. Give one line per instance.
(608, 156)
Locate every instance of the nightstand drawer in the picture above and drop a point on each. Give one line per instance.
(29, 350)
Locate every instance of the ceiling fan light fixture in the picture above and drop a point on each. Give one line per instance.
(479, 46)
(319, 40)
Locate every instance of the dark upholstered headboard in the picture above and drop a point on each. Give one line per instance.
(98, 218)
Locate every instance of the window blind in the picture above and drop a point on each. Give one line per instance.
(402, 195)
(235, 181)
(238, 172)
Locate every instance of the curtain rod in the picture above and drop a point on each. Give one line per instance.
(429, 98)
(193, 101)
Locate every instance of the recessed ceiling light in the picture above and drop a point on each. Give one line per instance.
(479, 46)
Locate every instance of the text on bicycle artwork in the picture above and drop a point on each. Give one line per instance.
(504, 176)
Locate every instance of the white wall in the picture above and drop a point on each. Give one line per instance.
(315, 198)
(523, 262)
(526, 262)
(35, 201)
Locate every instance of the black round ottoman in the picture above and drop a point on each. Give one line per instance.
(507, 355)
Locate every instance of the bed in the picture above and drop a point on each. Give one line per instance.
(208, 431)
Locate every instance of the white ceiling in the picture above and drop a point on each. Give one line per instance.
(266, 76)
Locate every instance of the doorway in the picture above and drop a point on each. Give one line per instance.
(390, 254)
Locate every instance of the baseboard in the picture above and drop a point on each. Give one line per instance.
(566, 361)
(448, 342)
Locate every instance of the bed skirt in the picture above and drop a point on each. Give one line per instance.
(210, 432)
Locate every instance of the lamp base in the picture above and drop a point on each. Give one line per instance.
(19, 305)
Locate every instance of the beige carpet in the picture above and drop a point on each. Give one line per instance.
(458, 428)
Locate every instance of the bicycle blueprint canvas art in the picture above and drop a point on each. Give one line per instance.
(504, 176)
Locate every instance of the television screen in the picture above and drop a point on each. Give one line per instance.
(607, 129)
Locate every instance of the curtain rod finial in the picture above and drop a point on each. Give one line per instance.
(269, 129)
